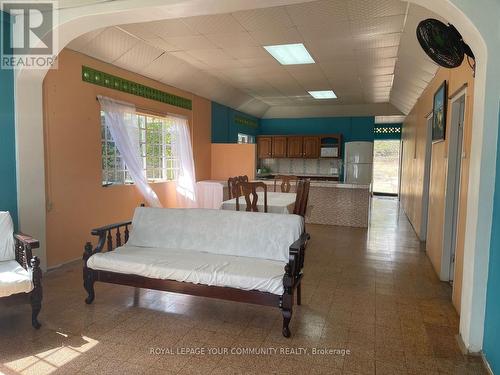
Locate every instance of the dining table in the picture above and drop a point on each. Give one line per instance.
(277, 203)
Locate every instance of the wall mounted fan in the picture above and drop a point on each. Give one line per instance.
(443, 44)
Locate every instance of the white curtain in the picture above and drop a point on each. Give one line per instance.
(182, 151)
(121, 120)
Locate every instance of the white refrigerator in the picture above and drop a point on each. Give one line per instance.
(358, 163)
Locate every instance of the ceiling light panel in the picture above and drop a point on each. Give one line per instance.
(323, 94)
(290, 54)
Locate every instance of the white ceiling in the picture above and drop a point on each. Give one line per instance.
(366, 51)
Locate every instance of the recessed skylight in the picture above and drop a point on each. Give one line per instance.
(290, 54)
(324, 94)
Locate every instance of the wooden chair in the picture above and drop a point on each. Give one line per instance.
(285, 182)
(20, 273)
(233, 190)
(249, 191)
(300, 207)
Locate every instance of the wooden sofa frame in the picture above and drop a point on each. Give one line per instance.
(291, 279)
(24, 245)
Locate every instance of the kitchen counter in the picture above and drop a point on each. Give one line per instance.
(332, 202)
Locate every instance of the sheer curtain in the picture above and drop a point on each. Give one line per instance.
(182, 151)
(121, 120)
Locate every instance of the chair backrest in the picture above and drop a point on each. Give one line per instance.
(233, 190)
(302, 197)
(285, 182)
(7, 251)
(249, 191)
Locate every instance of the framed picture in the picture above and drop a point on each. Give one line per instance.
(439, 113)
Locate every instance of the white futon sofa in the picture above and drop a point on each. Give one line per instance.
(241, 256)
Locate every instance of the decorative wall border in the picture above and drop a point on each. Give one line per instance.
(240, 120)
(121, 84)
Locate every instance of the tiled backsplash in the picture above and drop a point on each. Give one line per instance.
(306, 166)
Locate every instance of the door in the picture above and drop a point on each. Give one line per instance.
(427, 179)
(358, 173)
(386, 166)
(264, 147)
(294, 147)
(311, 147)
(279, 147)
(453, 181)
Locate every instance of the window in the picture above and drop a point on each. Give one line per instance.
(156, 151)
(245, 138)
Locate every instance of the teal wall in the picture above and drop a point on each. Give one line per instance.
(224, 127)
(491, 345)
(351, 128)
(8, 189)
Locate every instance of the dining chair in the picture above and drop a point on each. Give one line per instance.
(285, 182)
(233, 190)
(302, 197)
(249, 191)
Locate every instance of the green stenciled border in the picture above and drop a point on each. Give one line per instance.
(245, 121)
(121, 84)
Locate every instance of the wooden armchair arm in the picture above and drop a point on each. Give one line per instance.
(296, 256)
(105, 236)
(23, 246)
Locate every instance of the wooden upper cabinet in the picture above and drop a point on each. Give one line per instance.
(264, 147)
(311, 147)
(294, 147)
(279, 147)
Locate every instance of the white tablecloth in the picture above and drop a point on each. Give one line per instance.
(209, 194)
(277, 203)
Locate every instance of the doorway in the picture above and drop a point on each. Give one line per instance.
(386, 167)
(455, 153)
(427, 179)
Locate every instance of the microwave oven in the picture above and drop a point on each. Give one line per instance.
(329, 152)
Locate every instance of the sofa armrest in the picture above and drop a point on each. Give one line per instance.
(24, 245)
(297, 255)
(105, 237)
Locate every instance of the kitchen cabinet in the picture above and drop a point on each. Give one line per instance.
(311, 147)
(264, 147)
(279, 147)
(295, 147)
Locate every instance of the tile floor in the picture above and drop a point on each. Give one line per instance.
(372, 292)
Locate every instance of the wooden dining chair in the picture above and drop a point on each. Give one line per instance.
(285, 182)
(302, 197)
(233, 190)
(249, 191)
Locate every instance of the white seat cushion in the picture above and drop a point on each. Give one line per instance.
(195, 267)
(247, 234)
(6, 237)
(14, 279)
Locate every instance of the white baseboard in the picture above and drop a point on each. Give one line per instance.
(486, 364)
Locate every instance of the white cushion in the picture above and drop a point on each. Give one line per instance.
(194, 267)
(6, 237)
(14, 279)
(249, 234)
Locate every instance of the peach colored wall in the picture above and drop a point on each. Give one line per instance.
(414, 139)
(233, 160)
(76, 201)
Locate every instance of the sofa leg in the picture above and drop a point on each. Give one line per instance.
(299, 294)
(88, 277)
(88, 284)
(36, 294)
(287, 316)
